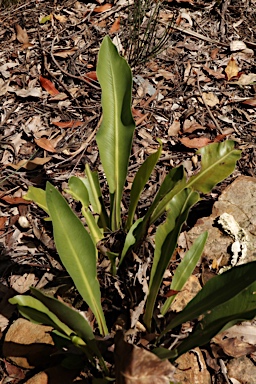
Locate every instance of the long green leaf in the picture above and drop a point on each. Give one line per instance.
(93, 186)
(37, 312)
(130, 240)
(72, 318)
(79, 192)
(77, 252)
(218, 161)
(139, 182)
(165, 243)
(239, 308)
(215, 292)
(174, 182)
(37, 195)
(185, 268)
(64, 320)
(115, 134)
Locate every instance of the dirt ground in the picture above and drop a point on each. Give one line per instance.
(198, 89)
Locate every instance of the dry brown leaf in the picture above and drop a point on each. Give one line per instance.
(14, 200)
(197, 142)
(210, 99)
(2, 221)
(48, 86)
(232, 69)
(68, 124)
(29, 164)
(237, 45)
(214, 53)
(220, 137)
(15, 373)
(45, 144)
(59, 97)
(136, 365)
(26, 45)
(166, 74)
(250, 102)
(174, 128)
(65, 53)
(234, 346)
(102, 8)
(191, 368)
(60, 18)
(246, 79)
(216, 74)
(29, 92)
(91, 75)
(4, 87)
(22, 35)
(22, 283)
(116, 26)
(191, 126)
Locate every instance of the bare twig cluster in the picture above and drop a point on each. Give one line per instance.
(144, 35)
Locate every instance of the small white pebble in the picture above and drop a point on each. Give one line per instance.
(23, 222)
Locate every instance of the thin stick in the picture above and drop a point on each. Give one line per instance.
(207, 107)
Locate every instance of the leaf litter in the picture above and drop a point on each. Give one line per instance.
(199, 89)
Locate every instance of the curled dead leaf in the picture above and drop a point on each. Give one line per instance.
(136, 365)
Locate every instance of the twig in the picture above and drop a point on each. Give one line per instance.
(46, 67)
(89, 82)
(8, 114)
(82, 148)
(208, 39)
(225, 5)
(207, 107)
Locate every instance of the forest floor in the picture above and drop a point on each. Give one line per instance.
(199, 89)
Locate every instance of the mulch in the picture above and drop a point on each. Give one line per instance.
(200, 88)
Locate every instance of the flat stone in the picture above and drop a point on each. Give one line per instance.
(28, 345)
(188, 292)
(238, 200)
(191, 368)
(243, 370)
